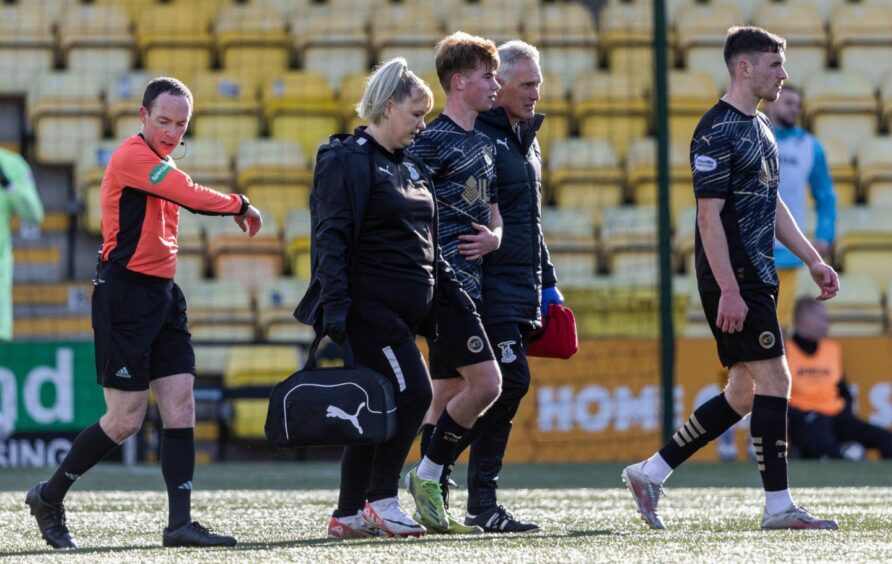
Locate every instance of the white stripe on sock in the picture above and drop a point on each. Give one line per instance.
(395, 365)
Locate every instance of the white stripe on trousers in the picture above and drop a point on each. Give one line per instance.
(395, 365)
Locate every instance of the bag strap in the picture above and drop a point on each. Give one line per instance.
(310, 364)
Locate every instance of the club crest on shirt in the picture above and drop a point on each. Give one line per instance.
(766, 339)
(413, 172)
(508, 355)
(487, 157)
(475, 344)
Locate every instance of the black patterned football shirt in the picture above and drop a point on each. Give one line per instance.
(734, 157)
(462, 167)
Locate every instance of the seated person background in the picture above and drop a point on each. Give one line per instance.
(821, 417)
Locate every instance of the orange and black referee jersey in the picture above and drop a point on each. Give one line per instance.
(140, 200)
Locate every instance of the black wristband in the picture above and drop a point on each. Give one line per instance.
(245, 203)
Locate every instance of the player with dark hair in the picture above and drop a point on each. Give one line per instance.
(734, 159)
(461, 161)
(139, 315)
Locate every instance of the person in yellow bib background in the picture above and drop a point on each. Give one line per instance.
(821, 417)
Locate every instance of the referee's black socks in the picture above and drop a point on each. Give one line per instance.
(91, 446)
(706, 423)
(178, 467)
(768, 428)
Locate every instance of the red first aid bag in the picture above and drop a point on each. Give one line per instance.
(557, 337)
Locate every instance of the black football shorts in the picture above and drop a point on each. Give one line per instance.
(140, 329)
(761, 336)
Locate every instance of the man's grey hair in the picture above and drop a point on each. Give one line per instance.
(510, 53)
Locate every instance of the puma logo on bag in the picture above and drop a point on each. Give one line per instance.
(334, 411)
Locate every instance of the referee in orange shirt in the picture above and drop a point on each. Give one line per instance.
(139, 315)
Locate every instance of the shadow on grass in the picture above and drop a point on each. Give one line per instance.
(298, 543)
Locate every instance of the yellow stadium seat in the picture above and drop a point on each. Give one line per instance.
(859, 37)
(553, 103)
(610, 105)
(65, 112)
(88, 171)
(191, 228)
(856, 310)
(420, 58)
(219, 310)
(91, 220)
(26, 46)
(252, 41)
(500, 23)
(190, 266)
(584, 173)
(825, 7)
(641, 174)
(626, 35)
(218, 301)
(205, 161)
(90, 166)
(96, 39)
(276, 300)
(568, 63)
(350, 93)
(404, 25)
(842, 171)
(701, 30)
(265, 365)
(841, 104)
(629, 240)
(691, 94)
(572, 247)
(271, 166)
(226, 108)
(175, 39)
(123, 95)
(249, 260)
(875, 170)
(262, 365)
(864, 242)
(618, 306)
(297, 243)
(332, 42)
(800, 23)
(560, 25)
(133, 7)
(74, 328)
(300, 107)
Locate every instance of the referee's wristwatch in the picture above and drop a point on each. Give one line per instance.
(245, 204)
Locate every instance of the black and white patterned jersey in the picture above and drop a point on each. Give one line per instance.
(462, 166)
(734, 157)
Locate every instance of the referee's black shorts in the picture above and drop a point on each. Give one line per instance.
(761, 336)
(140, 329)
(461, 341)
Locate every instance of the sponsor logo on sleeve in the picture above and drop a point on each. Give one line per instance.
(704, 163)
(158, 173)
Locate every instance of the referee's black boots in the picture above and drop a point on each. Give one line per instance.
(50, 519)
(193, 534)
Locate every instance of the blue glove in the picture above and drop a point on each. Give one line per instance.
(550, 296)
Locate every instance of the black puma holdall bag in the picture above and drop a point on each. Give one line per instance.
(345, 405)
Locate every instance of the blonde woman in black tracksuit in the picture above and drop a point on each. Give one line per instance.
(376, 270)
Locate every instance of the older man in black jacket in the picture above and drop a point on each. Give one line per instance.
(519, 281)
